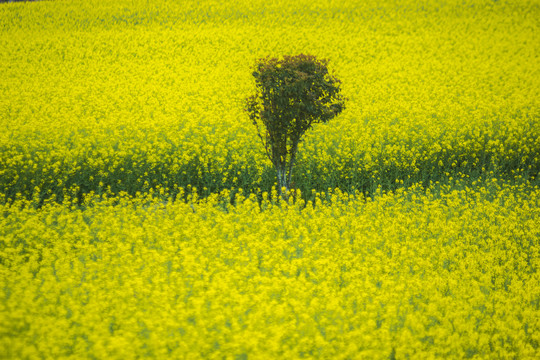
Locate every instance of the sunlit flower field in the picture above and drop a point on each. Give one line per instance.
(139, 215)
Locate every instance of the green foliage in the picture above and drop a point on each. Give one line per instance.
(292, 95)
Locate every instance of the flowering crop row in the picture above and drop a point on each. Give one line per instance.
(412, 274)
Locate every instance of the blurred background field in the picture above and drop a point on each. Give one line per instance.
(138, 214)
(134, 96)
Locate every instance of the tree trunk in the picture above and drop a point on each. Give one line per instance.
(283, 182)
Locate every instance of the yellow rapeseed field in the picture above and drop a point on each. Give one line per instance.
(407, 275)
(139, 216)
(134, 95)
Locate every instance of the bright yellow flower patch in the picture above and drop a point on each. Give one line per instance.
(409, 274)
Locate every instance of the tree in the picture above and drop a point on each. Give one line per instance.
(292, 94)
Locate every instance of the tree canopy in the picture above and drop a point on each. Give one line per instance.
(292, 94)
